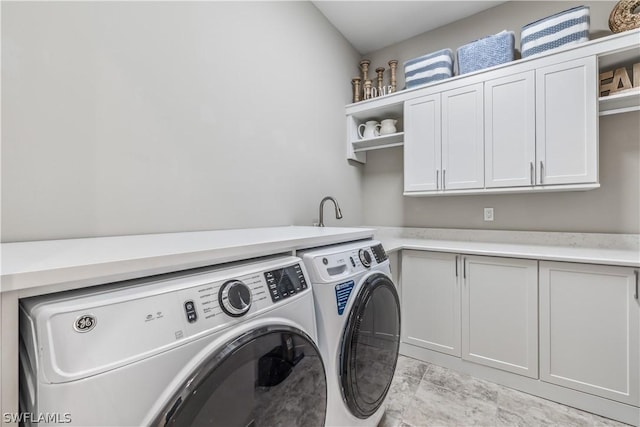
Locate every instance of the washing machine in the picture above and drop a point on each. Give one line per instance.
(358, 314)
(224, 346)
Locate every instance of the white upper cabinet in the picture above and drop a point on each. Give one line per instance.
(444, 141)
(463, 138)
(526, 126)
(510, 131)
(567, 124)
(542, 130)
(422, 154)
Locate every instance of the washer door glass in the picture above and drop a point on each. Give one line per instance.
(370, 346)
(267, 377)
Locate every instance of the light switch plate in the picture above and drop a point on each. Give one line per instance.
(488, 214)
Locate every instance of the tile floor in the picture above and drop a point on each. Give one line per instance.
(424, 395)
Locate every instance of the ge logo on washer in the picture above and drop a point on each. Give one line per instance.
(85, 323)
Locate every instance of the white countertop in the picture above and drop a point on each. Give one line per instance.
(74, 263)
(57, 265)
(568, 247)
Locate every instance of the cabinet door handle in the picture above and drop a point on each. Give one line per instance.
(437, 179)
(444, 179)
(541, 172)
(464, 268)
(531, 173)
(636, 273)
(456, 265)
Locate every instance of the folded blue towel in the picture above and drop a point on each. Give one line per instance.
(567, 27)
(486, 52)
(431, 67)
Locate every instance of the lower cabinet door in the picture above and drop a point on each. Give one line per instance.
(431, 301)
(500, 313)
(590, 329)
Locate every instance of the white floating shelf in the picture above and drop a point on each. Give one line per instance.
(385, 141)
(620, 102)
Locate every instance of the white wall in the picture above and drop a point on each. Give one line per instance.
(613, 208)
(144, 117)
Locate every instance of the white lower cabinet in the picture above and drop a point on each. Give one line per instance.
(431, 301)
(483, 309)
(571, 331)
(590, 329)
(500, 313)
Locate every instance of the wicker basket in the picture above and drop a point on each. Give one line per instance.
(428, 68)
(486, 52)
(622, 17)
(564, 28)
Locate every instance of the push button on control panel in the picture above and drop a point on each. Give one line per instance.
(190, 309)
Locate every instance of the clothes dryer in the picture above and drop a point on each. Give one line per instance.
(358, 314)
(222, 346)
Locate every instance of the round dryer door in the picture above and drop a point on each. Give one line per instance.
(370, 346)
(266, 377)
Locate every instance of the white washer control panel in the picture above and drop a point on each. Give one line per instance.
(122, 322)
(356, 259)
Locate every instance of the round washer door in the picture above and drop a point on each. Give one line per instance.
(267, 377)
(370, 346)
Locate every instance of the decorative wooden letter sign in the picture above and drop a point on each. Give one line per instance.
(618, 80)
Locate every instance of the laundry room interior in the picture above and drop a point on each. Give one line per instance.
(300, 213)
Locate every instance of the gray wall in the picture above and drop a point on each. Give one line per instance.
(144, 117)
(613, 208)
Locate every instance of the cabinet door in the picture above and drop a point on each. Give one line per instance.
(589, 329)
(567, 123)
(463, 138)
(500, 313)
(431, 301)
(422, 144)
(510, 131)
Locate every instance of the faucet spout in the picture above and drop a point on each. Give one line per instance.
(337, 208)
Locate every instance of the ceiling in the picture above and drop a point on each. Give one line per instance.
(372, 25)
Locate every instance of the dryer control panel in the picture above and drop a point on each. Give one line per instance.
(353, 259)
(285, 282)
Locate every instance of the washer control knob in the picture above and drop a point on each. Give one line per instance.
(234, 298)
(365, 257)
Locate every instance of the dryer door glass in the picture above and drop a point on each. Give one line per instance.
(267, 377)
(370, 346)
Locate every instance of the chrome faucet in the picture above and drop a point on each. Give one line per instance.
(338, 212)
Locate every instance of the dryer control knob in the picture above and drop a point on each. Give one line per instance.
(365, 257)
(234, 298)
